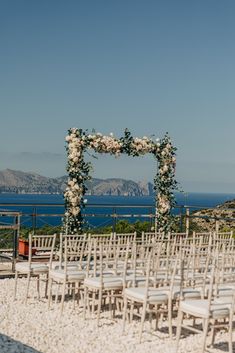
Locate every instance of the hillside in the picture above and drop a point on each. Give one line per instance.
(21, 182)
(225, 211)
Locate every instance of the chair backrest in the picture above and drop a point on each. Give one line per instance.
(41, 247)
(224, 235)
(151, 237)
(72, 249)
(148, 271)
(213, 275)
(123, 238)
(101, 237)
(95, 258)
(226, 264)
(202, 237)
(178, 236)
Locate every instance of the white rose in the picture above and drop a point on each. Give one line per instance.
(165, 168)
(75, 212)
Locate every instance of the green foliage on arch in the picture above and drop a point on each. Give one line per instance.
(79, 141)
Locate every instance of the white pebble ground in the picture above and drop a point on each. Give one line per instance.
(33, 328)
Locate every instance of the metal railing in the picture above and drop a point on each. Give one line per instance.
(34, 215)
(16, 216)
(9, 236)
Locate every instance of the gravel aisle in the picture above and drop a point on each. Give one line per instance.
(32, 328)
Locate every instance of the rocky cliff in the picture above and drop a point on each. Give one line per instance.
(225, 213)
(22, 182)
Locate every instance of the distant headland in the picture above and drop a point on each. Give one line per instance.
(15, 181)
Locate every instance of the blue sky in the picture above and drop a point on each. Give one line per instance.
(150, 66)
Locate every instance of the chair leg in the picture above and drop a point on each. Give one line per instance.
(156, 319)
(110, 303)
(38, 286)
(74, 293)
(205, 331)
(230, 342)
(27, 287)
(124, 314)
(46, 286)
(114, 305)
(151, 318)
(84, 302)
(93, 303)
(89, 305)
(63, 297)
(178, 332)
(213, 333)
(99, 306)
(49, 292)
(78, 293)
(170, 318)
(142, 320)
(57, 292)
(131, 311)
(15, 287)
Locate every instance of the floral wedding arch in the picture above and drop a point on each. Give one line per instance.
(79, 141)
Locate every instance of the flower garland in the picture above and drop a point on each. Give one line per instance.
(78, 141)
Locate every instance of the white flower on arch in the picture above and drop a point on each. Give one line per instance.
(78, 141)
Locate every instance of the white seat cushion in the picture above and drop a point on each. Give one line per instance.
(43, 254)
(136, 281)
(69, 275)
(74, 265)
(225, 300)
(191, 293)
(201, 308)
(226, 289)
(35, 268)
(120, 271)
(54, 265)
(187, 293)
(154, 295)
(105, 273)
(107, 282)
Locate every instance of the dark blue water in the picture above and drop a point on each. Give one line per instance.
(100, 209)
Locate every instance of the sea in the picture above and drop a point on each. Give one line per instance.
(38, 210)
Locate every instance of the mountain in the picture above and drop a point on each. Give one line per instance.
(23, 182)
(225, 213)
(117, 186)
